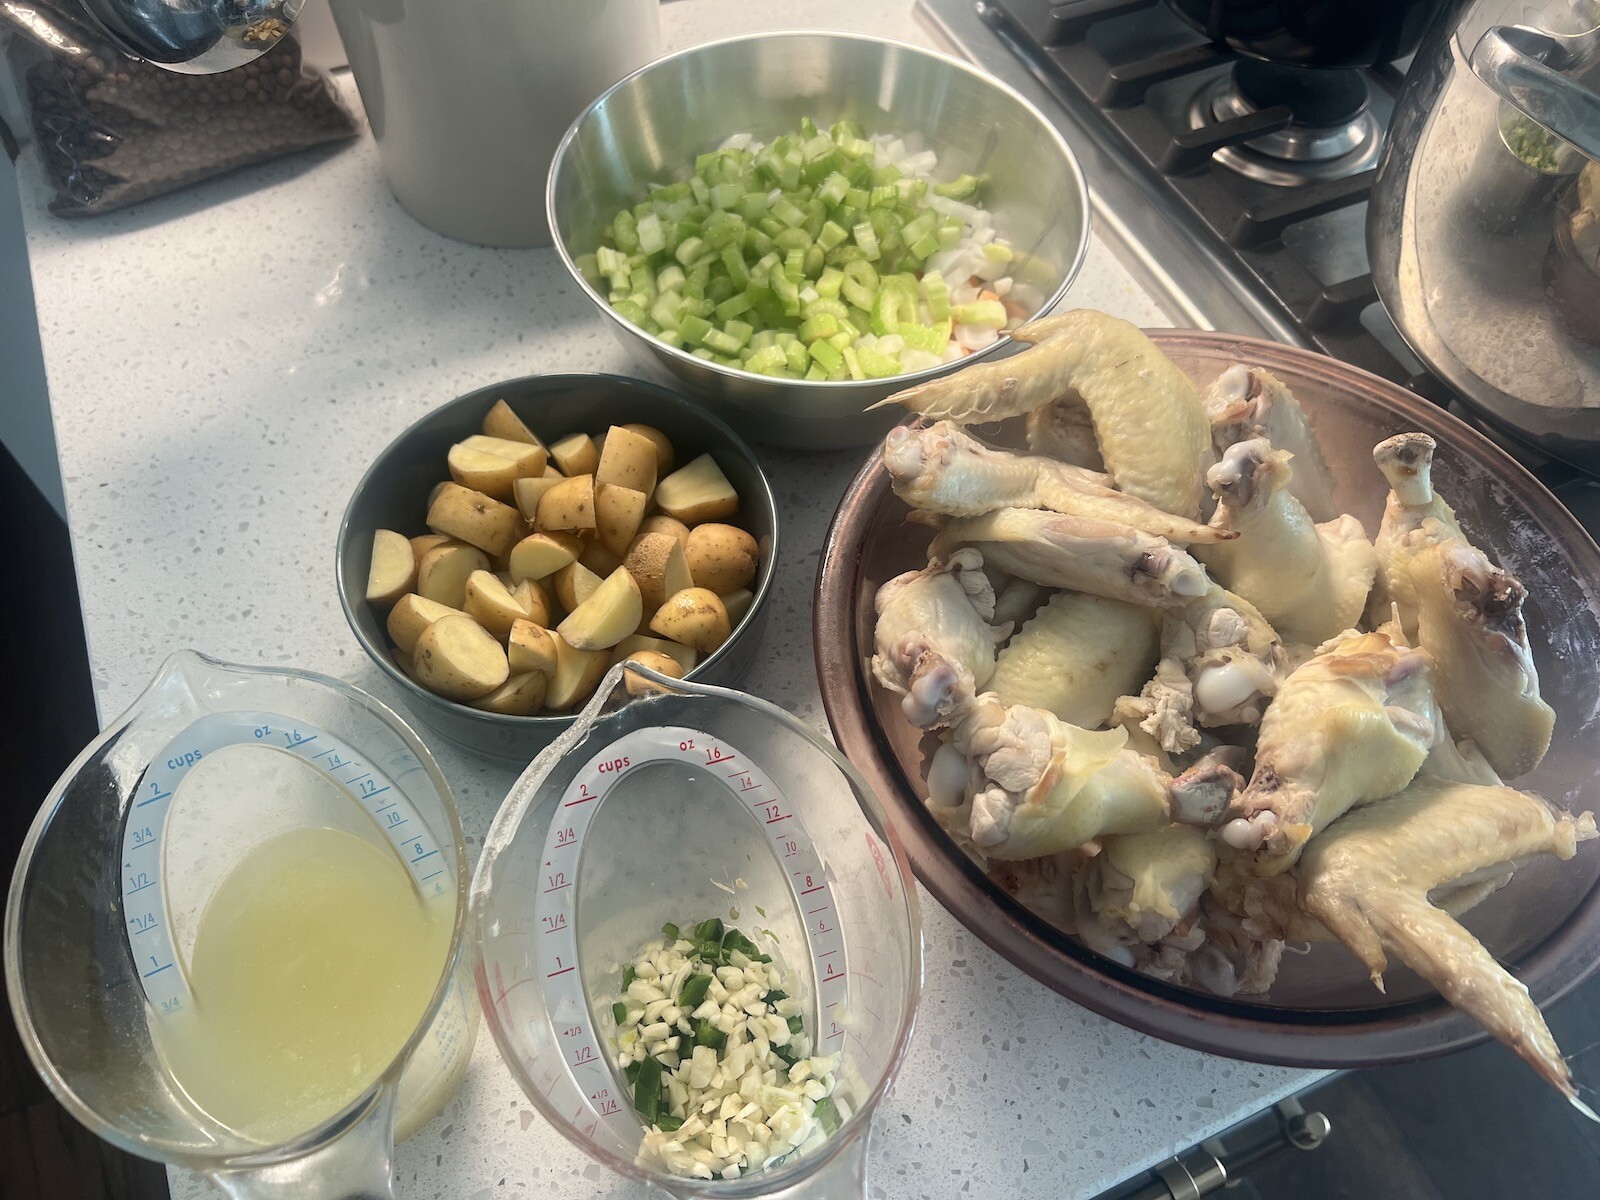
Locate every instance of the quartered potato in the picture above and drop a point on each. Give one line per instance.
(618, 511)
(457, 658)
(474, 518)
(665, 454)
(491, 604)
(569, 505)
(575, 454)
(410, 616)
(722, 558)
(492, 465)
(442, 573)
(574, 583)
(658, 562)
(528, 492)
(661, 523)
(519, 696)
(532, 648)
(676, 651)
(610, 614)
(697, 492)
(696, 617)
(578, 673)
(638, 685)
(501, 422)
(629, 461)
(424, 542)
(539, 555)
(393, 569)
(536, 600)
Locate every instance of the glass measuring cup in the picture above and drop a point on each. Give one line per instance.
(655, 812)
(139, 834)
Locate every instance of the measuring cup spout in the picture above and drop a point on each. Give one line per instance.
(355, 1164)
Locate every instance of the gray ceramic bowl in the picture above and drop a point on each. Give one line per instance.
(649, 128)
(393, 495)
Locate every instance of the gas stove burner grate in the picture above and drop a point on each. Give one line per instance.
(1340, 143)
(1141, 69)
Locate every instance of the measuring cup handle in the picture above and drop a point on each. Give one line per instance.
(356, 1164)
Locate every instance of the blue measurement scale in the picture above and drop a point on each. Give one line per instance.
(584, 1075)
(144, 904)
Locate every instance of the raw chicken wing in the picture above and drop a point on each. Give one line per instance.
(1248, 402)
(1369, 877)
(1080, 553)
(1406, 461)
(1076, 656)
(935, 646)
(941, 469)
(1310, 581)
(1469, 618)
(1352, 725)
(1148, 420)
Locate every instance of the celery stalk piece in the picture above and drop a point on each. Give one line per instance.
(826, 355)
(990, 314)
(652, 240)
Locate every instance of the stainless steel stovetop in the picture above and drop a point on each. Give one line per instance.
(1288, 263)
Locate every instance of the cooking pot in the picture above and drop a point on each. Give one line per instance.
(1484, 225)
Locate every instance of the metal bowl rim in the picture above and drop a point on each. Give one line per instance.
(558, 240)
(385, 662)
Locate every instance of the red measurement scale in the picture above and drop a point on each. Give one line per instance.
(585, 1078)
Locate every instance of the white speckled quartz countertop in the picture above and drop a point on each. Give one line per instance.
(223, 365)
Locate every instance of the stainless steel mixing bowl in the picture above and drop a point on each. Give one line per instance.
(649, 128)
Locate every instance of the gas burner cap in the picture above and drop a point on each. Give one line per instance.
(1298, 154)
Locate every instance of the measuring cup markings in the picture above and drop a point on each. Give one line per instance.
(583, 1065)
(148, 921)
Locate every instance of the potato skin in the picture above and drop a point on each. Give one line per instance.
(661, 523)
(460, 660)
(695, 617)
(723, 558)
(665, 454)
(569, 506)
(656, 661)
(474, 518)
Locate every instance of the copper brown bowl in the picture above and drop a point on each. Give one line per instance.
(1322, 1011)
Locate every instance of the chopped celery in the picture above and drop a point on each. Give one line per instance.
(987, 313)
(740, 332)
(625, 232)
(791, 255)
(858, 295)
(826, 355)
(651, 239)
(688, 250)
(764, 362)
(962, 187)
(822, 325)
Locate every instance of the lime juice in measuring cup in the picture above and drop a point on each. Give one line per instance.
(694, 804)
(233, 938)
